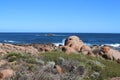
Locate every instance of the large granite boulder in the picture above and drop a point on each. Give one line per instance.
(74, 42)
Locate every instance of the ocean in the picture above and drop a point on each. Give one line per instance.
(58, 38)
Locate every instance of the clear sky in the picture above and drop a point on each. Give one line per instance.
(91, 16)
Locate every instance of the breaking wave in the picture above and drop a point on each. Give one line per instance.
(116, 45)
(113, 45)
(10, 41)
(62, 43)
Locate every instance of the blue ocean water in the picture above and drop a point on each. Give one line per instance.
(57, 38)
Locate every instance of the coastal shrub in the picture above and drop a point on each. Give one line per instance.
(54, 56)
(95, 65)
(14, 56)
(29, 67)
(111, 69)
(31, 60)
(18, 55)
(106, 68)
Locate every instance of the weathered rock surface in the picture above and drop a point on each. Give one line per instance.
(44, 47)
(31, 48)
(68, 50)
(86, 50)
(111, 54)
(74, 42)
(7, 73)
(59, 69)
(7, 48)
(115, 78)
(96, 49)
(2, 62)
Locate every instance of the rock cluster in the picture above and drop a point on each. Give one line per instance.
(44, 47)
(32, 48)
(110, 54)
(73, 44)
(7, 48)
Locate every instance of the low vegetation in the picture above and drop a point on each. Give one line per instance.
(29, 67)
(106, 68)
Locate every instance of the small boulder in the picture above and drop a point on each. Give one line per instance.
(6, 73)
(2, 62)
(58, 68)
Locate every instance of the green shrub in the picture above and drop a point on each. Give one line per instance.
(31, 60)
(106, 68)
(14, 56)
(31, 67)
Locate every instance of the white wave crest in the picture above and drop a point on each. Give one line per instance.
(113, 45)
(10, 41)
(57, 44)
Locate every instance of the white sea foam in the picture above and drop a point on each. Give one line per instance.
(116, 45)
(57, 44)
(113, 45)
(88, 44)
(10, 41)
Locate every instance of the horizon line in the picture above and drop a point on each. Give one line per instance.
(66, 32)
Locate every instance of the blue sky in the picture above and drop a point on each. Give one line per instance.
(91, 16)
